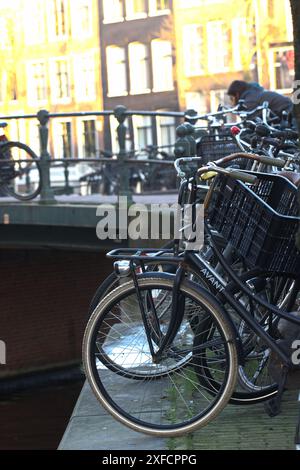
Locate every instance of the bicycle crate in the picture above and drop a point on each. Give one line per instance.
(213, 147)
(260, 221)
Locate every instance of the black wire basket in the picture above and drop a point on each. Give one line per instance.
(213, 147)
(260, 221)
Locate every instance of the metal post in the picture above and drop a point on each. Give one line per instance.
(67, 189)
(185, 145)
(47, 194)
(124, 171)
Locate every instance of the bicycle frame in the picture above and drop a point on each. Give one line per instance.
(195, 262)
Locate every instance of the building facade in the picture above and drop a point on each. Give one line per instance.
(170, 55)
(219, 41)
(51, 60)
(138, 67)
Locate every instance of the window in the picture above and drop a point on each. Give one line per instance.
(17, 131)
(193, 50)
(37, 82)
(162, 65)
(139, 68)
(62, 135)
(136, 9)
(142, 130)
(34, 22)
(239, 42)
(116, 71)
(87, 138)
(2, 86)
(5, 34)
(289, 21)
(60, 80)
(196, 100)
(166, 131)
(218, 47)
(34, 136)
(282, 68)
(12, 88)
(218, 97)
(58, 27)
(157, 7)
(113, 11)
(82, 18)
(85, 84)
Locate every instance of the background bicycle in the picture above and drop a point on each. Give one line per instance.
(20, 172)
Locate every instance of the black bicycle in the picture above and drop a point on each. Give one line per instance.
(20, 172)
(171, 344)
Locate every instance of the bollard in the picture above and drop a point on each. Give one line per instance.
(47, 194)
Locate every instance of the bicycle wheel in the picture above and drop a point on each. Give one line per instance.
(167, 400)
(255, 383)
(20, 172)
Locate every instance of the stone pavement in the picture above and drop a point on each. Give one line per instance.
(237, 428)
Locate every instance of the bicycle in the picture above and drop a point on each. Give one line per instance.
(20, 171)
(163, 353)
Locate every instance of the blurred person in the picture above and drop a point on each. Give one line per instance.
(255, 95)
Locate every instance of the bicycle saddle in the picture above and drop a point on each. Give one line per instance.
(292, 177)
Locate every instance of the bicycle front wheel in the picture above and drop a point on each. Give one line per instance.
(20, 172)
(166, 399)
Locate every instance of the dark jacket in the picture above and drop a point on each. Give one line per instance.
(255, 96)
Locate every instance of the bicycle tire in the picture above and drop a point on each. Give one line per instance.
(10, 185)
(171, 420)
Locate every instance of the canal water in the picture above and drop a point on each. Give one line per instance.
(37, 420)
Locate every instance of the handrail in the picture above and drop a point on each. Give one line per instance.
(125, 159)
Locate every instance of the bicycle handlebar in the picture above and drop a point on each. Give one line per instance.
(216, 166)
(235, 110)
(242, 176)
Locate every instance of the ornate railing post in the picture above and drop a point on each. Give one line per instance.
(47, 194)
(123, 168)
(185, 145)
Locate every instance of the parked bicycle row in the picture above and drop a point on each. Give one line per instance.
(186, 331)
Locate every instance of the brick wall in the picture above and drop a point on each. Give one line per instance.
(44, 298)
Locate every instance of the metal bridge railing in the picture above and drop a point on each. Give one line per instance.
(185, 145)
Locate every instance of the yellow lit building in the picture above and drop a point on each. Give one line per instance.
(219, 41)
(50, 59)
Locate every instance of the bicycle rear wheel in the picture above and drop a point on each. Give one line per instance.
(20, 172)
(166, 398)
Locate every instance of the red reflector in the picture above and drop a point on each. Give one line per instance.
(235, 130)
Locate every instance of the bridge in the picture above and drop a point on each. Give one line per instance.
(52, 260)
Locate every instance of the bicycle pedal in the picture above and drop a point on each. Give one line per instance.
(273, 407)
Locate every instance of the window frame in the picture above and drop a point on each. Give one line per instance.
(131, 15)
(112, 93)
(113, 19)
(147, 71)
(31, 94)
(53, 80)
(155, 67)
(272, 68)
(153, 11)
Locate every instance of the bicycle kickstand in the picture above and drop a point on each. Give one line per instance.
(273, 406)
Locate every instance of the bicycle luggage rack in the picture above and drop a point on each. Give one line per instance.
(147, 254)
